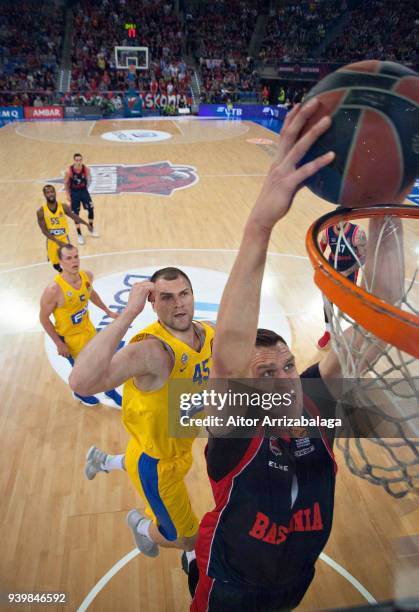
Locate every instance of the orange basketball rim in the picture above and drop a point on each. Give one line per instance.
(384, 320)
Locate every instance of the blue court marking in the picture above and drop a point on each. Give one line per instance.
(275, 125)
(147, 471)
(207, 306)
(414, 195)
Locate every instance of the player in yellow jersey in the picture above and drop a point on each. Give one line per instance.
(53, 223)
(67, 299)
(173, 347)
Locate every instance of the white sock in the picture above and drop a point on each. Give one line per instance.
(328, 327)
(143, 528)
(190, 555)
(114, 462)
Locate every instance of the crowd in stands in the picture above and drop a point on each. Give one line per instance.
(218, 35)
(371, 29)
(10, 98)
(99, 26)
(30, 49)
(287, 93)
(378, 29)
(294, 31)
(226, 79)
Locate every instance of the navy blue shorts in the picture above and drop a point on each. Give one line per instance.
(78, 197)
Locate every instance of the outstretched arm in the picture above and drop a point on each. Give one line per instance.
(99, 367)
(239, 310)
(383, 276)
(97, 301)
(73, 216)
(360, 242)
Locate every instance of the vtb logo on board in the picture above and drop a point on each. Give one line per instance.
(159, 178)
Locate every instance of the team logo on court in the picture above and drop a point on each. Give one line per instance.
(159, 178)
(114, 290)
(136, 136)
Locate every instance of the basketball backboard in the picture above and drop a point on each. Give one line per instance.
(131, 56)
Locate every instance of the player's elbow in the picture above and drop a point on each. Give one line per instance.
(77, 384)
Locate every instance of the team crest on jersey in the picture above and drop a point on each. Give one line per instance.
(159, 178)
(69, 294)
(275, 447)
(299, 432)
(304, 446)
(184, 358)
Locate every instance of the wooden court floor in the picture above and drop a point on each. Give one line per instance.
(60, 532)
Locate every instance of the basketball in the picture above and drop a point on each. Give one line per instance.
(374, 133)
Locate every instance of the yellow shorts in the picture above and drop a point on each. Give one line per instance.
(76, 342)
(160, 483)
(52, 249)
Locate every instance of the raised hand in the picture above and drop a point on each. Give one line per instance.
(284, 178)
(138, 296)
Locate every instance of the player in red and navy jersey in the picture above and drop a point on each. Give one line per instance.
(76, 182)
(273, 490)
(346, 254)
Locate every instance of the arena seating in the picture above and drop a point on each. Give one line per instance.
(99, 27)
(30, 50)
(219, 35)
(378, 29)
(295, 30)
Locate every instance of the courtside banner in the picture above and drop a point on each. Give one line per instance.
(243, 111)
(44, 112)
(83, 112)
(11, 113)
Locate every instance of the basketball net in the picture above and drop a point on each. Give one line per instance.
(375, 334)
